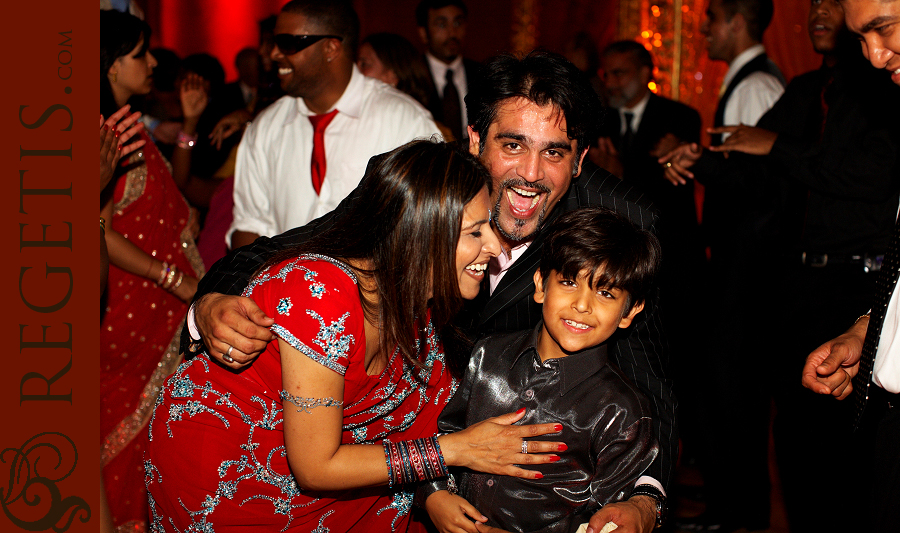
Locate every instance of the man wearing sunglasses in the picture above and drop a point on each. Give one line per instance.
(307, 151)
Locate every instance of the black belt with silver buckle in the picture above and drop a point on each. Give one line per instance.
(869, 262)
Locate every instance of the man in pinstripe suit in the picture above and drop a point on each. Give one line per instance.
(531, 123)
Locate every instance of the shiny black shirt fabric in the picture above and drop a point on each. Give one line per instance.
(606, 426)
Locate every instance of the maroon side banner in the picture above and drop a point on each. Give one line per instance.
(49, 245)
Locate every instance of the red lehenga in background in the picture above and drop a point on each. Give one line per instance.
(141, 327)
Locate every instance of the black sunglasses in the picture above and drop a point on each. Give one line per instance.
(290, 44)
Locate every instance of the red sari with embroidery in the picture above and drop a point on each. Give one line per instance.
(217, 459)
(141, 327)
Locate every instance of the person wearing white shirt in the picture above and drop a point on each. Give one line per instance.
(274, 189)
(831, 368)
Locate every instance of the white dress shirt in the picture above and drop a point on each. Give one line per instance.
(753, 96)
(439, 74)
(886, 372)
(886, 369)
(273, 189)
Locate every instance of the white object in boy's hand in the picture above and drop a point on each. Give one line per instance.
(606, 529)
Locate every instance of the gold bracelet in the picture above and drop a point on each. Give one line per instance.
(174, 288)
(862, 317)
(170, 277)
(162, 272)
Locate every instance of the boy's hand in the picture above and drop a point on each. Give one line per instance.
(451, 513)
(635, 515)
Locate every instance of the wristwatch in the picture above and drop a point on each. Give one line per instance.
(657, 495)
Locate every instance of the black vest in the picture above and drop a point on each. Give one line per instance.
(758, 63)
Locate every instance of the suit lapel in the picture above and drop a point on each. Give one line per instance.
(516, 283)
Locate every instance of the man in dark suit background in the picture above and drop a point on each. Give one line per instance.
(640, 126)
(442, 28)
(535, 153)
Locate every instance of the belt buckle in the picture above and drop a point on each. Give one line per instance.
(815, 260)
(872, 263)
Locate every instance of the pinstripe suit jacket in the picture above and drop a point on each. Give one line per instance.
(640, 352)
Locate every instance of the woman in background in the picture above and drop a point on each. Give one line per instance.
(394, 60)
(153, 271)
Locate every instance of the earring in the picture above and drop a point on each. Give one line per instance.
(115, 77)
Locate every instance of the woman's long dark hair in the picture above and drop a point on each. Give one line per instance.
(406, 222)
(119, 34)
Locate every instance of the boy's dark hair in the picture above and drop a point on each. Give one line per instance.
(618, 254)
(426, 5)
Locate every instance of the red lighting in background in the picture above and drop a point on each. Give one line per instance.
(220, 28)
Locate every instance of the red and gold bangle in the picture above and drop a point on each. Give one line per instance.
(414, 460)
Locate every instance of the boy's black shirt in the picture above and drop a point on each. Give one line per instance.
(606, 426)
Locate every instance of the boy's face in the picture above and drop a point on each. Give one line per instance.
(576, 315)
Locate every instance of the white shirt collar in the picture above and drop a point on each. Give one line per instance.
(350, 102)
(742, 59)
(439, 71)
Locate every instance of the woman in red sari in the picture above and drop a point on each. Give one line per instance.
(333, 425)
(154, 267)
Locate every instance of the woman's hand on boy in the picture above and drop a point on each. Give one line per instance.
(451, 513)
(494, 446)
(634, 515)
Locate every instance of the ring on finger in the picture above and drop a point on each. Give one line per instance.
(227, 355)
(668, 164)
(524, 446)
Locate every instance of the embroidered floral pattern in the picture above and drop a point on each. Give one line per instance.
(284, 306)
(244, 463)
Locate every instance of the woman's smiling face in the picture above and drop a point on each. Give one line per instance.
(477, 245)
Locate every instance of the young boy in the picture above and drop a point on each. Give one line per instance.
(596, 271)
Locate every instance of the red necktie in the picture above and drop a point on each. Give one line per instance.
(317, 169)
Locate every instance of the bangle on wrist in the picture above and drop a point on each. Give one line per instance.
(412, 461)
(163, 272)
(177, 284)
(170, 278)
(186, 141)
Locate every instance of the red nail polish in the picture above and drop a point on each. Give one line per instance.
(562, 448)
(119, 147)
(557, 427)
(554, 458)
(538, 475)
(520, 411)
(106, 127)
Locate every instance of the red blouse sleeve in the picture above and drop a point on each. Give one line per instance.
(315, 304)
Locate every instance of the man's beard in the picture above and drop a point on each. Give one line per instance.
(628, 92)
(517, 236)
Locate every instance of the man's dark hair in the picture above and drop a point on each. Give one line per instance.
(639, 54)
(334, 17)
(426, 5)
(544, 78)
(757, 13)
(617, 253)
